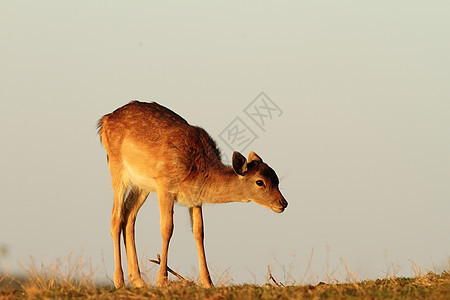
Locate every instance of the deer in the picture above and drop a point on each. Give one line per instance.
(151, 149)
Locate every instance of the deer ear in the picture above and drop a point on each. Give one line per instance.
(252, 156)
(239, 163)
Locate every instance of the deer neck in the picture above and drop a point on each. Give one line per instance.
(222, 185)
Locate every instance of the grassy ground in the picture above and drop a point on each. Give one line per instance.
(430, 286)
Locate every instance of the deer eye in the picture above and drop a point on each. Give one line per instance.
(259, 182)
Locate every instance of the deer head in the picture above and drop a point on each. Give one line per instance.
(258, 181)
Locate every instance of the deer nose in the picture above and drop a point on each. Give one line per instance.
(283, 203)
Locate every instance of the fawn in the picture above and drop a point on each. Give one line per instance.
(152, 149)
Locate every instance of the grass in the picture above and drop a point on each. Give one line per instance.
(430, 286)
(73, 278)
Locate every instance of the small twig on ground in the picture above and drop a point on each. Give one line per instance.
(273, 279)
(158, 262)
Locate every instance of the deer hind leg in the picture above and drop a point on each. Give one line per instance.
(166, 202)
(117, 221)
(136, 197)
(197, 229)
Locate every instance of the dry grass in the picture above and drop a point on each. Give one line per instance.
(430, 286)
(74, 278)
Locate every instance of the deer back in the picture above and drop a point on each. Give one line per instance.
(154, 144)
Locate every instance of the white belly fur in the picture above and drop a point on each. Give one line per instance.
(149, 184)
(140, 180)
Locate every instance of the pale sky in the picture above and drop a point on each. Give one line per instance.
(362, 143)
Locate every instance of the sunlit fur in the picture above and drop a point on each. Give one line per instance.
(152, 149)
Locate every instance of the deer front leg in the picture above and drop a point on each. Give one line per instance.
(197, 228)
(166, 214)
